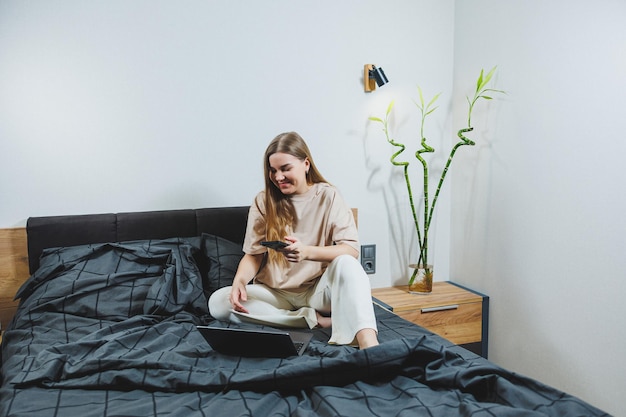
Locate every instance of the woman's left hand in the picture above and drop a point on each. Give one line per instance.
(295, 252)
(298, 252)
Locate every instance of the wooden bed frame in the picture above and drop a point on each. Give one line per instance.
(13, 269)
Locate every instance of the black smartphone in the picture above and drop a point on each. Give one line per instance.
(274, 244)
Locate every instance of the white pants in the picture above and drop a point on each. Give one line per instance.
(344, 286)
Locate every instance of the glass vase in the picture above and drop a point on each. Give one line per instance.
(423, 282)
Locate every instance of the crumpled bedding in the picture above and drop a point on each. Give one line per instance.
(109, 329)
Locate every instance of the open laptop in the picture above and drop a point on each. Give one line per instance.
(256, 342)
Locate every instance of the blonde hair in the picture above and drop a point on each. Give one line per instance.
(280, 215)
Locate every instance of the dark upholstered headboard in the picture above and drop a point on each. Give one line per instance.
(57, 231)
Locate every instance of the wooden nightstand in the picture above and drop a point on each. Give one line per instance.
(452, 311)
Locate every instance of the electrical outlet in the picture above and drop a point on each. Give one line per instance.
(368, 258)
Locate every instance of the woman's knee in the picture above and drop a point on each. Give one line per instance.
(219, 303)
(346, 269)
(346, 262)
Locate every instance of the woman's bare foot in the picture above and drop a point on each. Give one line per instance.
(367, 338)
(323, 321)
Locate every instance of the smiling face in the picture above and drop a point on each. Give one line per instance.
(289, 173)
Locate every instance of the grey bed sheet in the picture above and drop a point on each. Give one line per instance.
(109, 330)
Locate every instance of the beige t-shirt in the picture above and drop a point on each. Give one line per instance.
(324, 219)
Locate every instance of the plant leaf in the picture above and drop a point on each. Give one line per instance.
(490, 74)
(419, 89)
(433, 100)
(479, 82)
(376, 119)
(390, 107)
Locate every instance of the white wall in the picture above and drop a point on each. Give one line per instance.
(538, 210)
(109, 106)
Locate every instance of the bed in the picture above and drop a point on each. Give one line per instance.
(106, 326)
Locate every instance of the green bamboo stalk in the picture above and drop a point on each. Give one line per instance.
(429, 209)
(481, 89)
(464, 141)
(404, 165)
(425, 110)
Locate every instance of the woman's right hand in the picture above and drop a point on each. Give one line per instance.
(247, 268)
(238, 294)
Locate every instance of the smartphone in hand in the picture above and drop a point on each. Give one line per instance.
(274, 244)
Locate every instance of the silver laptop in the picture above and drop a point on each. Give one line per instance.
(256, 342)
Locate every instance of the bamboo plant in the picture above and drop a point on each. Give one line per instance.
(426, 109)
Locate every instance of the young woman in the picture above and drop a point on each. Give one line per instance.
(315, 280)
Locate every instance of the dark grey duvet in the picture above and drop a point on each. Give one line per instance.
(109, 330)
